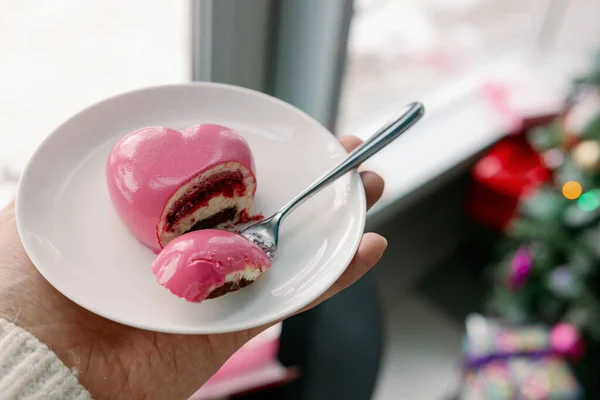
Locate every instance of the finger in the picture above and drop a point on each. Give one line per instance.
(373, 183)
(374, 186)
(350, 142)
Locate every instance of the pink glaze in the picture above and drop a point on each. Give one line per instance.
(194, 264)
(146, 167)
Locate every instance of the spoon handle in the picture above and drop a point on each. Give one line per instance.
(384, 136)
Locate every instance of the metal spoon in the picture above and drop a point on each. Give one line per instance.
(266, 233)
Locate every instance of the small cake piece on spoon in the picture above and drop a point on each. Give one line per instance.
(164, 182)
(208, 263)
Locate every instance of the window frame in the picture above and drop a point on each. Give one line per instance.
(293, 50)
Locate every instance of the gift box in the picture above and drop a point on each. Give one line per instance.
(513, 363)
(501, 344)
(508, 170)
(521, 378)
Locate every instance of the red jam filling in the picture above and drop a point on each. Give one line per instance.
(226, 184)
(245, 217)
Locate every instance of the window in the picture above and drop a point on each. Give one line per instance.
(348, 63)
(398, 49)
(60, 56)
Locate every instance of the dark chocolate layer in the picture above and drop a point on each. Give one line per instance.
(228, 288)
(221, 217)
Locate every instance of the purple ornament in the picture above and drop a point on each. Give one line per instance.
(520, 267)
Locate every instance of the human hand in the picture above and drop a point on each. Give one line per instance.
(119, 362)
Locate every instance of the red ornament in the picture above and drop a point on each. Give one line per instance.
(508, 171)
(566, 341)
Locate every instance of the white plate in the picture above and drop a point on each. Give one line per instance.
(75, 239)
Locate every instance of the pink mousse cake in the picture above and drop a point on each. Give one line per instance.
(208, 263)
(164, 182)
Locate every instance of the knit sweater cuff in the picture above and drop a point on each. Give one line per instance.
(30, 370)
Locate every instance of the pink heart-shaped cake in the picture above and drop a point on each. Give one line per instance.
(164, 183)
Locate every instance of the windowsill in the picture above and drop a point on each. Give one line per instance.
(460, 122)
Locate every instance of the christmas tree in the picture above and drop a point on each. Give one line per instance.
(548, 267)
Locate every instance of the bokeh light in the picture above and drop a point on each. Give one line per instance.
(589, 201)
(572, 190)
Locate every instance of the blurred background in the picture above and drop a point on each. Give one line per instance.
(508, 140)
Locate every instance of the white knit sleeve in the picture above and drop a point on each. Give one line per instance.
(30, 370)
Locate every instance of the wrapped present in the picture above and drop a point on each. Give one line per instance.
(522, 378)
(505, 343)
(513, 363)
(508, 171)
(511, 168)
